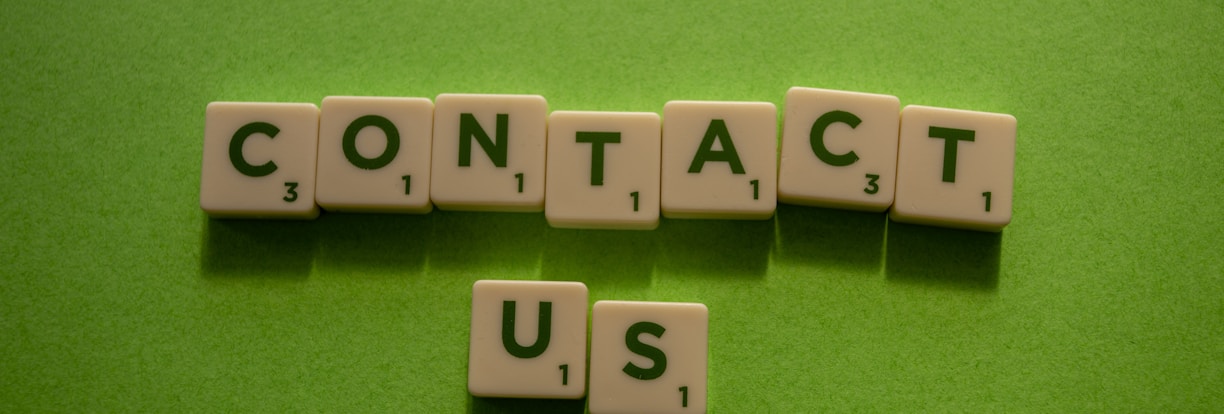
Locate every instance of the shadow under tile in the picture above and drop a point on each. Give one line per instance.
(478, 405)
(373, 244)
(942, 257)
(464, 242)
(263, 249)
(826, 237)
(619, 258)
(715, 248)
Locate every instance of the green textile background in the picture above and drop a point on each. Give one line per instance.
(1104, 294)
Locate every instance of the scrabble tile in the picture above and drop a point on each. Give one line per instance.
(719, 160)
(839, 149)
(488, 152)
(259, 160)
(528, 339)
(955, 168)
(374, 154)
(603, 170)
(648, 357)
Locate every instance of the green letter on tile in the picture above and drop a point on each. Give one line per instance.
(235, 149)
(349, 142)
(470, 129)
(597, 141)
(543, 335)
(654, 354)
(951, 135)
(817, 136)
(706, 152)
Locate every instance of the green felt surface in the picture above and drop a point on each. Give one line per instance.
(1104, 294)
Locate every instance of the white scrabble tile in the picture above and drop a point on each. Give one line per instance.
(259, 160)
(648, 357)
(374, 154)
(603, 170)
(955, 168)
(528, 339)
(719, 160)
(839, 149)
(488, 152)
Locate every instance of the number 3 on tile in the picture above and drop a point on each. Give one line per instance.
(684, 396)
(872, 187)
(292, 195)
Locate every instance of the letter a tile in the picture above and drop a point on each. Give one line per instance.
(720, 160)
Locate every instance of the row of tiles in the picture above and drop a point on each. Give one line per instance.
(529, 340)
(839, 149)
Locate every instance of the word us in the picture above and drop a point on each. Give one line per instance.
(619, 170)
(529, 340)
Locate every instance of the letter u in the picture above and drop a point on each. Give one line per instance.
(544, 333)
